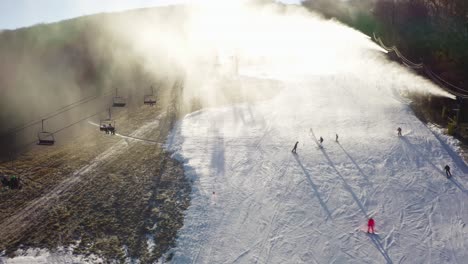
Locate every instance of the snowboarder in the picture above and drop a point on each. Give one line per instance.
(447, 171)
(295, 147)
(370, 225)
(399, 131)
(321, 140)
(336, 138)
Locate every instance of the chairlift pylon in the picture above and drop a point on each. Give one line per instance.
(150, 99)
(44, 137)
(118, 101)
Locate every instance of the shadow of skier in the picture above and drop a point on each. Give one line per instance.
(345, 183)
(459, 185)
(455, 182)
(355, 164)
(455, 157)
(380, 248)
(314, 187)
(411, 145)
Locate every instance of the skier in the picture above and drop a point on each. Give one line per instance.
(370, 225)
(295, 147)
(447, 171)
(399, 131)
(321, 140)
(336, 138)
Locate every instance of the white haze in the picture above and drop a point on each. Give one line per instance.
(203, 42)
(208, 41)
(285, 41)
(213, 46)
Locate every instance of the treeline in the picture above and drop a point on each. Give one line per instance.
(432, 31)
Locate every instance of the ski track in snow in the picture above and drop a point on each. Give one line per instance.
(271, 206)
(253, 201)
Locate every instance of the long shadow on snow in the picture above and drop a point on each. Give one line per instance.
(455, 182)
(455, 157)
(459, 185)
(376, 242)
(346, 185)
(355, 164)
(314, 187)
(381, 249)
(411, 145)
(217, 156)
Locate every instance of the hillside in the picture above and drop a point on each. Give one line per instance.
(50, 66)
(207, 175)
(256, 202)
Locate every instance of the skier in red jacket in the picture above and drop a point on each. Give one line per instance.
(370, 225)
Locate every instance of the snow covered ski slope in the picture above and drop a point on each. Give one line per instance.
(256, 202)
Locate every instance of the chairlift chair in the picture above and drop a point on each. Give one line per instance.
(103, 123)
(118, 101)
(104, 126)
(150, 99)
(44, 137)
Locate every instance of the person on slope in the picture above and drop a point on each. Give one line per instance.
(295, 147)
(447, 171)
(336, 138)
(321, 140)
(399, 131)
(370, 225)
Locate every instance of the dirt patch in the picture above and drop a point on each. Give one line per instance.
(115, 197)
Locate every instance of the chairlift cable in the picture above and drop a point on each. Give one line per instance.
(54, 113)
(451, 88)
(25, 145)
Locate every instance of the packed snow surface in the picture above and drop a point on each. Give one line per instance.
(254, 201)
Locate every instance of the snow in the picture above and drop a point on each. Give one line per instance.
(253, 201)
(42, 256)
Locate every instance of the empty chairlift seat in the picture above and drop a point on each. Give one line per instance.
(150, 99)
(118, 101)
(44, 137)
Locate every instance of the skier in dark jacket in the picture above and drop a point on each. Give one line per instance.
(295, 147)
(336, 138)
(399, 131)
(321, 140)
(447, 171)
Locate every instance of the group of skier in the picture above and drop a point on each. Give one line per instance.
(294, 150)
(446, 168)
(371, 221)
